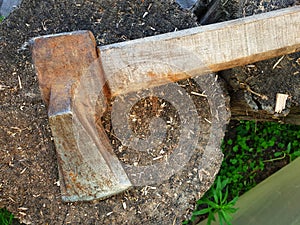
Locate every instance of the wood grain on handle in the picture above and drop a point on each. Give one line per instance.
(152, 61)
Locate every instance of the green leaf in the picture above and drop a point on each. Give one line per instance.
(234, 200)
(233, 161)
(6, 217)
(296, 154)
(224, 183)
(281, 145)
(231, 210)
(264, 144)
(229, 142)
(213, 205)
(235, 148)
(226, 217)
(271, 143)
(220, 197)
(225, 197)
(277, 154)
(211, 217)
(201, 212)
(193, 218)
(215, 195)
(288, 147)
(204, 200)
(220, 218)
(295, 143)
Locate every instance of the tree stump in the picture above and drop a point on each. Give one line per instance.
(29, 174)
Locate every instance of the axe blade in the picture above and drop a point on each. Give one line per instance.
(88, 168)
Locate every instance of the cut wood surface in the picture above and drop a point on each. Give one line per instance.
(152, 61)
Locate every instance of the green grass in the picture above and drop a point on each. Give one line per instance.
(6, 217)
(1, 18)
(253, 147)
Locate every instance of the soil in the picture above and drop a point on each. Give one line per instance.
(28, 169)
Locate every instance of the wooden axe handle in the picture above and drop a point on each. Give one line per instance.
(147, 62)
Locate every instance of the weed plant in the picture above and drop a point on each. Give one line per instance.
(215, 202)
(6, 218)
(247, 151)
(254, 145)
(1, 18)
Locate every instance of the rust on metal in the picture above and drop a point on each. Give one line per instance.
(59, 59)
(88, 168)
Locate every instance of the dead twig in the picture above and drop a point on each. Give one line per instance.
(247, 87)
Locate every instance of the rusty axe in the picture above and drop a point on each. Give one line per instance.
(75, 75)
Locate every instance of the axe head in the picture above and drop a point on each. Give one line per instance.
(67, 65)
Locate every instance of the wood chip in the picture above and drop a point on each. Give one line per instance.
(23, 208)
(145, 14)
(109, 213)
(22, 213)
(159, 157)
(279, 60)
(280, 102)
(124, 205)
(2, 87)
(23, 170)
(207, 120)
(198, 94)
(20, 83)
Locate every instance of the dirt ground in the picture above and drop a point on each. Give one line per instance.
(28, 166)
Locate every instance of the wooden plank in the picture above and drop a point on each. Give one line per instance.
(153, 61)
